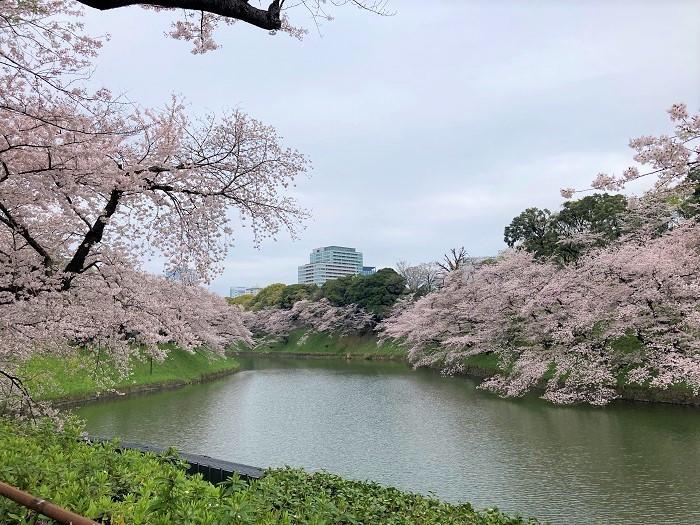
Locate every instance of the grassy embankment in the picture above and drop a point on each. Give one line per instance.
(131, 487)
(318, 344)
(679, 393)
(78, 378)
(302, 343)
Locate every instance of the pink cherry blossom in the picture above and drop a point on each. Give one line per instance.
(314, 316)
(627, 311)
(91, 185)
(668, 158)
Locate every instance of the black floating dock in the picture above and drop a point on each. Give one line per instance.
(213, 470)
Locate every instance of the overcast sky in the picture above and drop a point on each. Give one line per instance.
(431, 128)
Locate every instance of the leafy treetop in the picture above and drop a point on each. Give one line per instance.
(594, 220)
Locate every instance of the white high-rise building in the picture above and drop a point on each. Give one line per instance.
(330, 262)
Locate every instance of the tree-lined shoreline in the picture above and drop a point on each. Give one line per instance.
(321, 345)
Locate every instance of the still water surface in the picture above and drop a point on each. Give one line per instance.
(624, 464)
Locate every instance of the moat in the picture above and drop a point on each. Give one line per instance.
(624, 464)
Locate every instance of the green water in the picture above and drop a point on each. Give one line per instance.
(624, 464)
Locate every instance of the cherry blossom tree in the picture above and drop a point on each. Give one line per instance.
(625, 312)
(476, 311)
(91, 185)
(644, 295)
(669, 158)
(314, 316)
(628, 311)
(168, 186)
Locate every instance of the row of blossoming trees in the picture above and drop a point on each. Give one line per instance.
(350, 304)
(604, 293)
(625, 310)
(314, 316)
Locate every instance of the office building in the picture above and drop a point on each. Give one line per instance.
(331, 262)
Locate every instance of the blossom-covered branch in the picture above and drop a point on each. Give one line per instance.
(669, 157)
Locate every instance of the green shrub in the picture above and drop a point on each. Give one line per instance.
(268, 297)
(131, 487)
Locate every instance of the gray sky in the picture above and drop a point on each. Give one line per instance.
(432, 128)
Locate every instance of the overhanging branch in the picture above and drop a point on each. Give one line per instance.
(239, 9)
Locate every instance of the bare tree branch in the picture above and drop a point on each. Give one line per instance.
(453, 260)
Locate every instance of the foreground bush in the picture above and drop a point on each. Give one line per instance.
(135, 488)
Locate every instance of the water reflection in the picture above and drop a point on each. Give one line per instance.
(416, 430)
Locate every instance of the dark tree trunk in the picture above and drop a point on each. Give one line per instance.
(92, 237)
(239, 9)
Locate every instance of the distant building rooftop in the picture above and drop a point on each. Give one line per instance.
(237, 291)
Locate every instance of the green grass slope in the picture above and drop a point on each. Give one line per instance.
(302, 342)
(78, 377)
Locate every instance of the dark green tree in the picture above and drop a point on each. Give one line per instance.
(592, 221)
(532, 231)
(599, 213)
(297, 292)
(691, 206)
(336, 290)
(376, 293)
